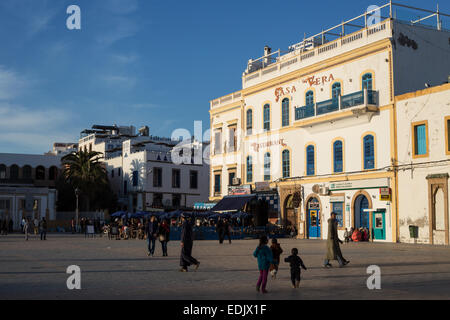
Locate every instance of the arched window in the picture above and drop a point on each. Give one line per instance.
(310, 161)
(286, 164)
(266, 119)
(267, 166)
(249, 169)
(369, 152)
(309, 98)
(40, 173)
(2, 171)
(337, 156)
(367, 81)
(14, 171)
(249, 121)
(285, 112)
(53, 173)
(336, 90)
(26, 172)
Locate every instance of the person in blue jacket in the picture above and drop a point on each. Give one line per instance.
(265, 258)
(151, 231)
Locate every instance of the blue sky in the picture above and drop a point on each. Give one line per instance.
(138, 62)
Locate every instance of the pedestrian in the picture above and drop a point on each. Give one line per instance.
(36, 226)
(333, 248)
(151, 232)
(265, 258)
(22, 224)
(227, 230)
(43, 228)
(187, 241)
(347, 236)
(72, 225)
(26, 228)
(276, 253)
(295, 262)
(220, 229)
(164, 236)
(11, 226)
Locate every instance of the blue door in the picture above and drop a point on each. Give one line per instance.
(364, 215)
(313, 218)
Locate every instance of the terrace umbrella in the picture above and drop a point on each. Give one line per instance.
(118, 214)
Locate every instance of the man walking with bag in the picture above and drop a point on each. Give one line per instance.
(333, 248)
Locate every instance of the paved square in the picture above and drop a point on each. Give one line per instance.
(112, 269)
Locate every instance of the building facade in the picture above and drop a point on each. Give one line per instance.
(149, 172)
(27, 187)
(424, 164)
(319, 124)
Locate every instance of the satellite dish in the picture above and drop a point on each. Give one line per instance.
(316, 188)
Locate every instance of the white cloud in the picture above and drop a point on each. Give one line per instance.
(124, 58)
(119, 82)
(10, 83)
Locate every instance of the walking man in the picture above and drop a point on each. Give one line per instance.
(187, 241)
(26, 228)
(43, 227)
(333, 248)
(152, 233)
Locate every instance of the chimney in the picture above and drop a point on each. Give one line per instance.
(267, 51)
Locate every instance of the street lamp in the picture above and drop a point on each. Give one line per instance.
(77, 193)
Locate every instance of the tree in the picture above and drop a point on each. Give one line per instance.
(83, 170)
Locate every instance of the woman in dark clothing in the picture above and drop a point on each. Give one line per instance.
(164, 236)
(187, 241)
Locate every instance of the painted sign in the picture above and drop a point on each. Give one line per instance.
(257, 146)
(360, 184)
(385, 194)
(313, 205)
(317, 81)
(280, 91)
(239, 190)
(262, 186)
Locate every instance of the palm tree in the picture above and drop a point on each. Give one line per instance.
(83, 170)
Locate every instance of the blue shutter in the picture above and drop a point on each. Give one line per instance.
(309, 98)
(266, 117)
(285, 112)
(338, 163)
(310, 170)
(369, 152)
(286, 164)
(249, 169)
(267, 166)
(421, 140)
(249, 121)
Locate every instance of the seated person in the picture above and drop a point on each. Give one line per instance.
(356, 236)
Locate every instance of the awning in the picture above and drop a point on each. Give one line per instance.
(232, 203)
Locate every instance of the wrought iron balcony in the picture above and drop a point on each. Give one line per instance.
(359, 98)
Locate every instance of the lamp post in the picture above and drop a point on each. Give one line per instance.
(77, 193)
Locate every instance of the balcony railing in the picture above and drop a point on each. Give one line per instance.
(363, 97)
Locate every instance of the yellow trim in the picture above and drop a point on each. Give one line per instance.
(447, 146)
(218, 125)
(290, 162)
(270, 166)
(342, 87)
(306, 159)
(253, 170)
(226, 108)
(321, 66)
(232, 122)
(413, 136)
(374, 150)
(415, 94)
(289, 97)
(371, 71)
(366, 175)
(314, 95)
(267, 102)
(231, 166)
(216, 168)
(253, 117)
(343, 154)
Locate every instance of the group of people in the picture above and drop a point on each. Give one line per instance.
(223, 228)
(36, 226)
(6, 226)
(356, 234)
(269, 257)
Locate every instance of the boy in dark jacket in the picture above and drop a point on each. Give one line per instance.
(295, 262)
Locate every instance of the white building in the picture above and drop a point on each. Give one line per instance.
(142, 172)
(27, 186)
(318, 123)
(423, 120)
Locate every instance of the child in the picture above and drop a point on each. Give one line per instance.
(276, 252)
(295, 262)
(346, 236)
(265, 258)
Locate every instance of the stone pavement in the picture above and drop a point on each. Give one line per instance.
(112, 269)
